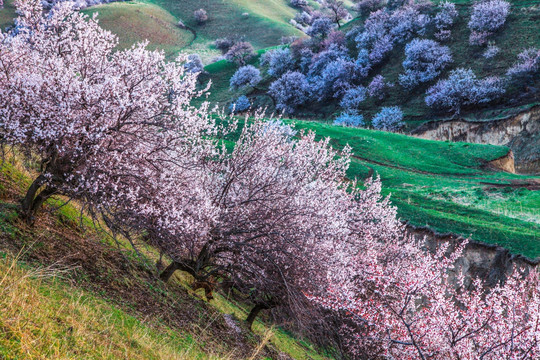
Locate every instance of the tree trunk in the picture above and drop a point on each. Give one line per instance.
(169, 271)
(254, 312)
(31, 203)
(206, 285)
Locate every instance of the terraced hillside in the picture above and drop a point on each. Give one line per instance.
(447, 187)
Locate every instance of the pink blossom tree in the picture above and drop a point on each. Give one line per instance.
(102, 124)
(274, 201)
(401, 304)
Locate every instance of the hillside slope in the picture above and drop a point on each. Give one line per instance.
(70, 291)
(521, 31)
(447, 187)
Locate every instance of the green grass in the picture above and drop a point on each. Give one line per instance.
(7, 14)
(135, 22)
(446, 186)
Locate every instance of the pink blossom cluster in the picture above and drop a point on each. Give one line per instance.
(271, 212)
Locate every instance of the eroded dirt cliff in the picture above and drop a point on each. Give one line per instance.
(520, 132)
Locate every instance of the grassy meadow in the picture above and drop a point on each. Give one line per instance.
(447, 187)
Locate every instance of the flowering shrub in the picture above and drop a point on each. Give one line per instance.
(299, 3)
(114, 137)
(528, 63)
(377, 87)
(279, 61)
(200, 16)
(194, 64)
(320, 28)
(424, 61)
(240, 53)
(383, 28)
(334, 80)
(486, 18)
(388, 119)
(463, 88)
(290, 91)
(444, 20)
(491, 51)
(353, 97)
(247, 75)
(240, 105)
(351, 119)
(224, 44)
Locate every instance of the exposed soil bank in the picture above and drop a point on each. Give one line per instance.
(520, 132)
(489, 262)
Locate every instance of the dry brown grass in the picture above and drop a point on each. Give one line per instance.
(42, 319)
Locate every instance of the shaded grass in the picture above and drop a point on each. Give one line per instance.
(7, 14)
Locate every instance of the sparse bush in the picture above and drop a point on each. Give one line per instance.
(224, 44)
(240, 53)
(353, 97)
(194, 64)
(424, 61)
(279, 61)
(486, 18)
(444, 20)
(240, 105)
(377, 87)
(351, 119)
(336, 10)
(298, 3)
(200, 16)
(388, 119)
(491, 51)
(285, 40)
(367, 6)
(302, 20)
(463, 88)
(527, 65)
(290, 91)
(247, 75)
